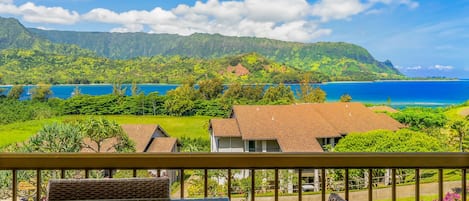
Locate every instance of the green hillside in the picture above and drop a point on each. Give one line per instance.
(14, 35)
(129, 45)
(327, 61)
(20, 66)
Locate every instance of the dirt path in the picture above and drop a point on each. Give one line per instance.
(378, 194)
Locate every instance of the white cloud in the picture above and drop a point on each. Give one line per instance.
(259, 18)
(43, 28)
(337, 9)
(40, 14)
(411, 68)
(292, 20)
(441, 67)
(276, 10)
(8, 9)
(409, 3)
(6, 1)
(436, 67)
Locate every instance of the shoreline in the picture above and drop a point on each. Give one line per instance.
(174, 84)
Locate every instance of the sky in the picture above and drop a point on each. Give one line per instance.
(421, 37)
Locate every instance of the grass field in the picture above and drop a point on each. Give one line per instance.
(193, 127)
(457, 113)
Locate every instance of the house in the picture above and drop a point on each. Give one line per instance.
(151, 138)
(293, 128)
(147, 138)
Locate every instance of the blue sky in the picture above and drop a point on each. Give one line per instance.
(421, 38)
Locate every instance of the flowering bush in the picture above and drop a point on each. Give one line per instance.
(451, 196)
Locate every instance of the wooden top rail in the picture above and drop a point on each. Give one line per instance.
(231, 160)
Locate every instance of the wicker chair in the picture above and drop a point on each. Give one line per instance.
(109, 189)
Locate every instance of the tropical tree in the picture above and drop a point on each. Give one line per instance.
(118, 89)
(242, 94)
(345, 98)
(134, 89)
(96, 131)
(56, 137)
(181, 100)
(280, 94)
(310, 94)
(211, 89)
(42, 92)
(461, 127)
(421, 118)
(15, 92)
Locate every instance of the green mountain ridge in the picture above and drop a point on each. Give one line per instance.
(14, 35)
(330, 60)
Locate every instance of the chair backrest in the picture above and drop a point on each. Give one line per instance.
(96, 189)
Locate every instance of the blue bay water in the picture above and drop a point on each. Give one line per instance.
(400, 93)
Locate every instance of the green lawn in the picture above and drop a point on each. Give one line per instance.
(193, 127)
(21, 131)
(455, 113)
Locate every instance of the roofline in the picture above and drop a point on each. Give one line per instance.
(162, 130)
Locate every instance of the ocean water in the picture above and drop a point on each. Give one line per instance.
(397, 93)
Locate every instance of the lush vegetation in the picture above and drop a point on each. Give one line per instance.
(322, 56)
(186, 129)
(387, 141)
(209, 98)
(27, 56)
(14, 35)
(20, 66)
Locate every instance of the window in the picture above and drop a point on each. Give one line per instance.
(252, 146)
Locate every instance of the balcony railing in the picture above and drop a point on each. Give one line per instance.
(255, 162)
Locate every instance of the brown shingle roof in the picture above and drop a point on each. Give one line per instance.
(353, 117)
(143, 135)
(225, 127)
(297, 127)
(162, 144)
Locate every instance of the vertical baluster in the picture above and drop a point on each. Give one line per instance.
(229, 184)
(440, 184)
(134, 172)
(87, 173)
(346, 184)
(393, 173)
(62, 173)
(38, 184)
(464, 184)
(417, 184)
(323, 184)
(276, 185)
(182, 182)
(253, 184)
(205, 182)
(14, 185)
(370, 184)
(300, 185)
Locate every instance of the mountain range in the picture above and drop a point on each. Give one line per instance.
(329, 60)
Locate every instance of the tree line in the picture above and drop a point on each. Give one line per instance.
(208, 97)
